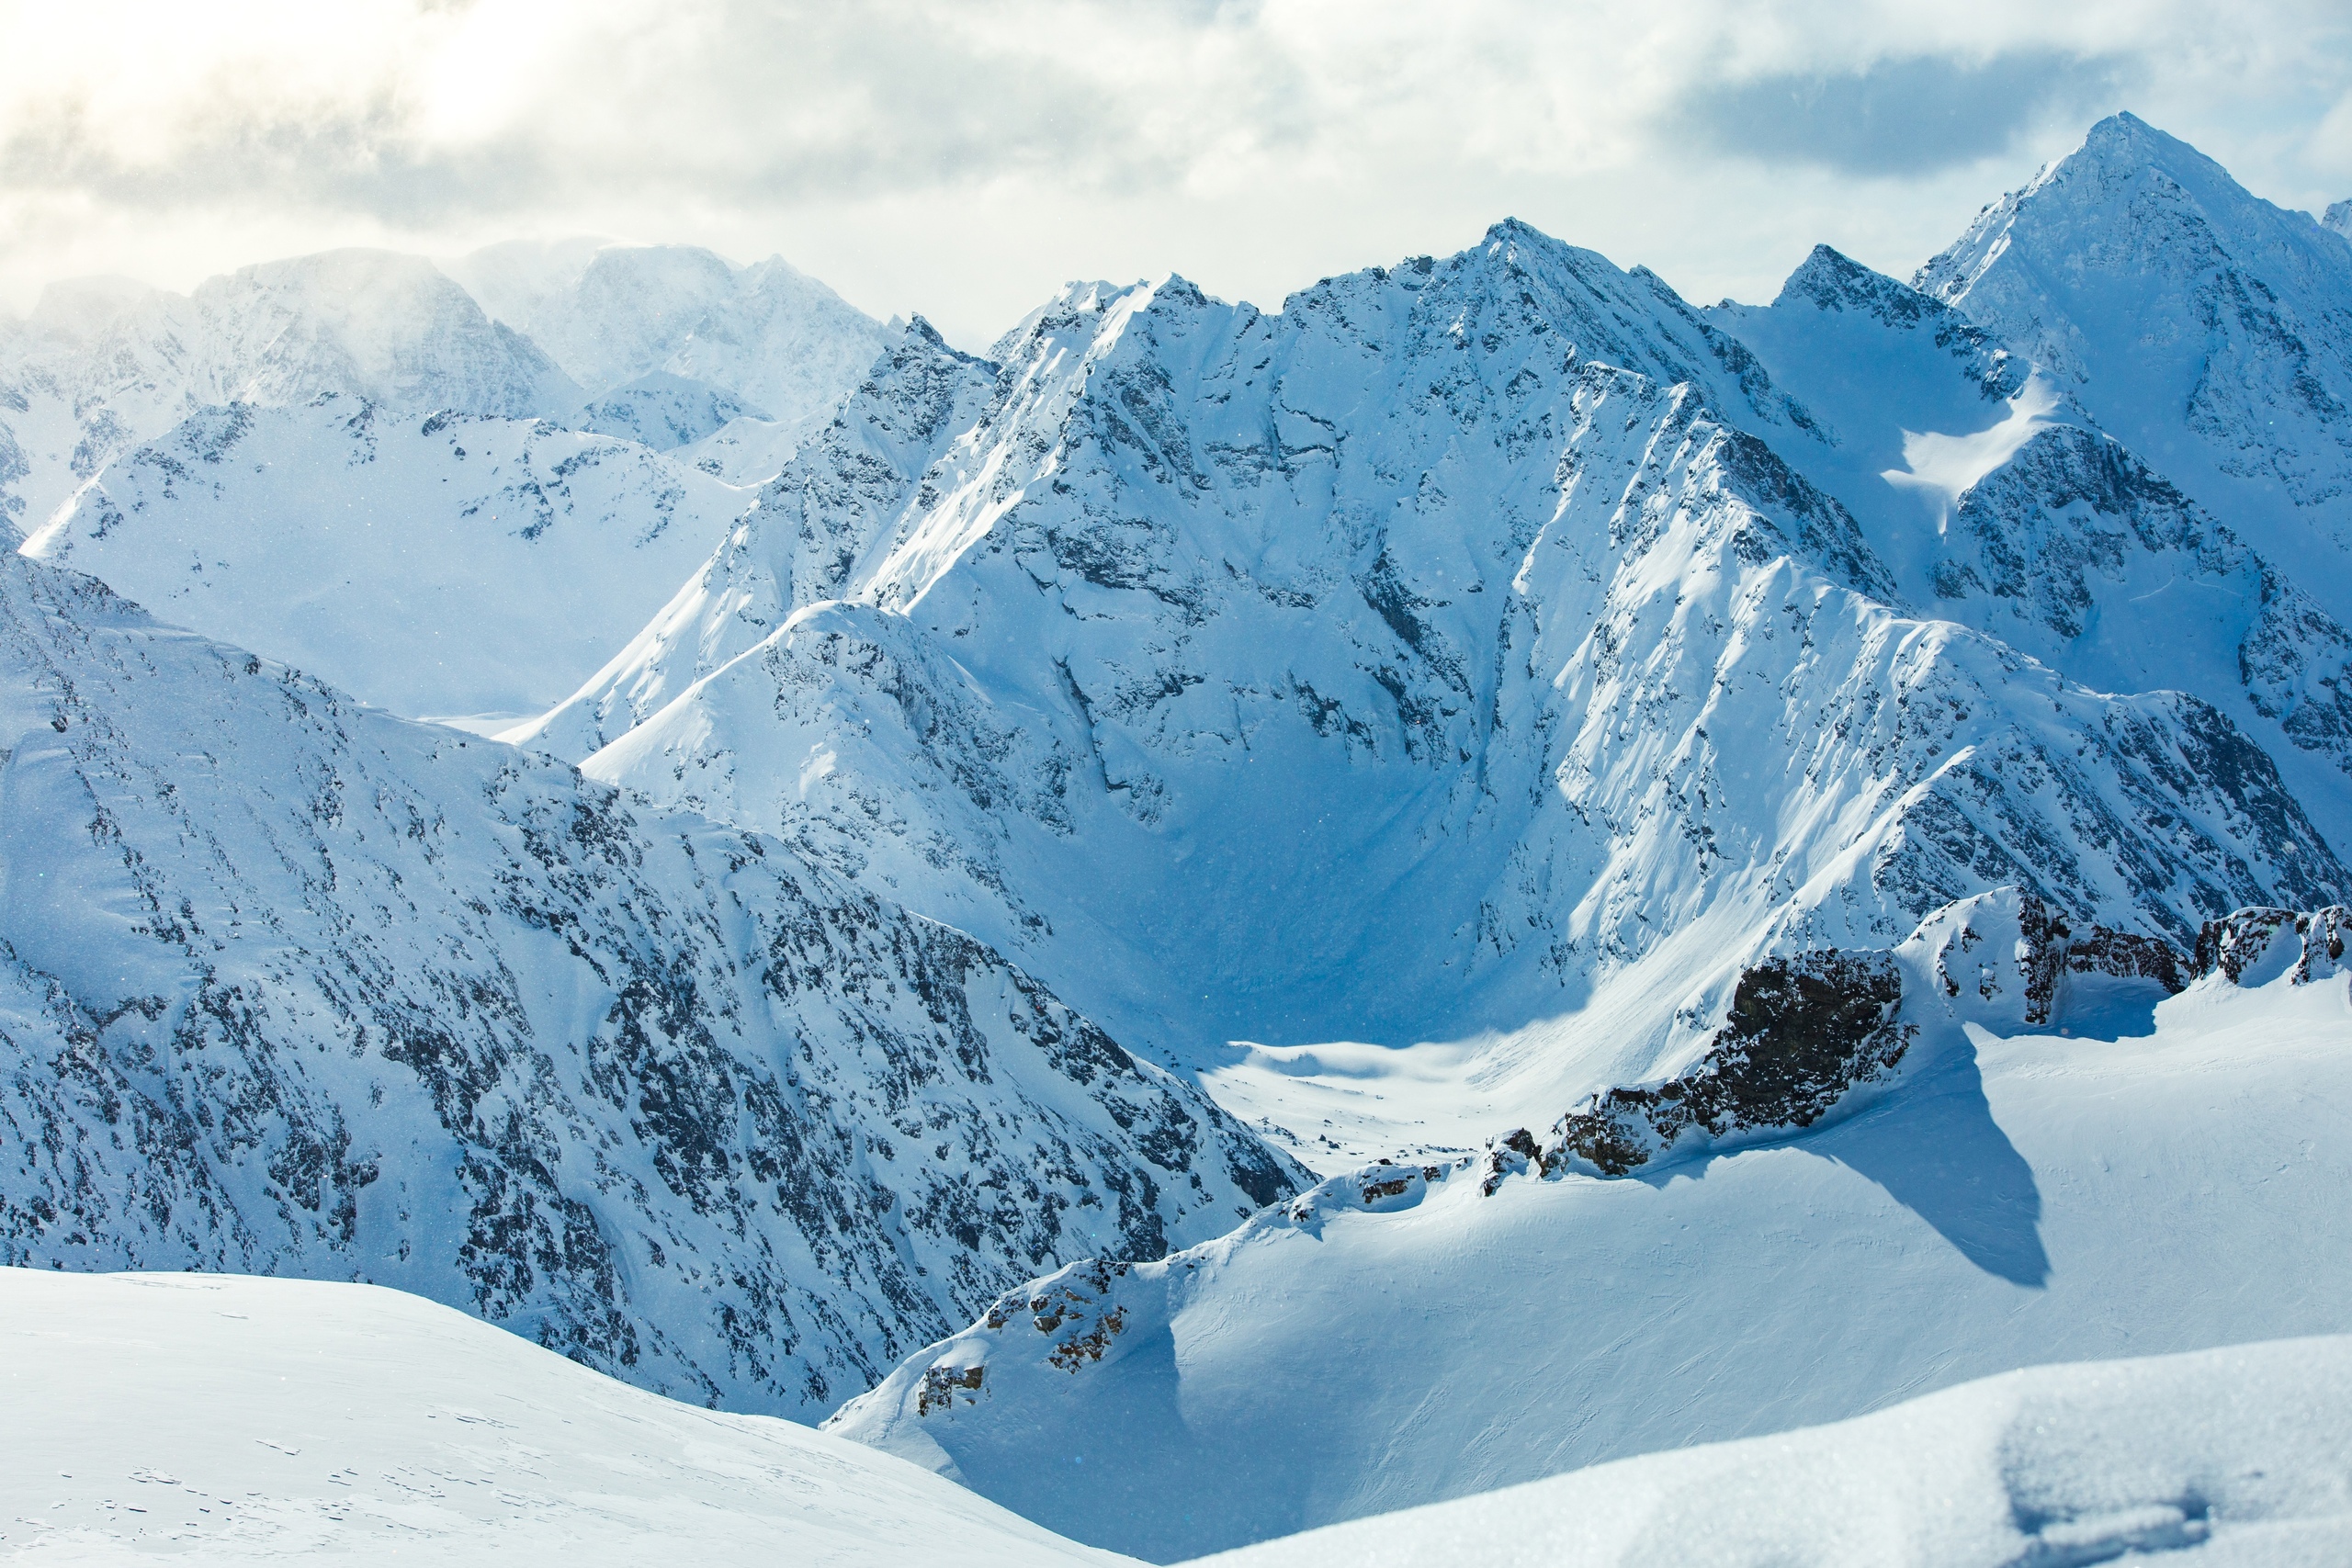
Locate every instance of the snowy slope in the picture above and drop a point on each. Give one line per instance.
(2229, 1456)
(1404, 1333)
(288, 986)
(438, 565)
(1444, 655)
(767, 334)
(2206, 329)
(103, 368)
(204, 1419)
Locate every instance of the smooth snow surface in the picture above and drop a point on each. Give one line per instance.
(441, 565)
(227, 1420)
(1400, 1337)
(2221, 1457)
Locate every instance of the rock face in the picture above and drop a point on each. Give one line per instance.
(2249, 946)
(1804, 1033)
(290, 986)
(439, 565)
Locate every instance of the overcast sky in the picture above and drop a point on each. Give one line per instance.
(962, 157)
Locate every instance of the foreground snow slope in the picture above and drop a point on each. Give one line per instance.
(226, 1419)
(440, 565)
(2232, 1456)
(1406, 1334)
(288, 986)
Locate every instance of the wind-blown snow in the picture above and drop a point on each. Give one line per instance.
(2230, 1456)
(221, 1419)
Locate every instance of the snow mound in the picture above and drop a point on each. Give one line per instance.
(2232, 1456)
(225, 1419)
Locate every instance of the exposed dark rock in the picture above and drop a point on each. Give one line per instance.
(2239, 941)
(1804, 1031)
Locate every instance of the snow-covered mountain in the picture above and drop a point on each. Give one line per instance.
(289, 985)
(203, 1419)
(1457, 626)
(2218, 1457)
(439, 565)
(101, 368)
(2206, 329)
(775, 343)
(1407, 1333)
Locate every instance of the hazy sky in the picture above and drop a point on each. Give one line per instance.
(962, 159)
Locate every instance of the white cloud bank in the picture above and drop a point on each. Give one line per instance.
(962, 156)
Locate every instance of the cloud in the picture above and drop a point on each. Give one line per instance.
(961, 156)
(1901, 117)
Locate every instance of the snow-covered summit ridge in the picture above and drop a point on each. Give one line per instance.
(769, 335)
(106, 368)
(2208, 329)
(1451, 588)
(441, 565)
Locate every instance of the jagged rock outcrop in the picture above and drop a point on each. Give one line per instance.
(1804, 1033)
(2246, 946)
(288, 986)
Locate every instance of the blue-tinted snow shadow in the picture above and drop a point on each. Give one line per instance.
(1935, 1148)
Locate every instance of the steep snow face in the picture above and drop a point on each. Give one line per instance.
(291, 986)
(442, 565)
(2209, 330)
(204, 1419)
(2338, 218)
(2220, 1456)
(103, 369)
(773, 337)
(1996, 501)
(1442, 654)
(1407, 1333)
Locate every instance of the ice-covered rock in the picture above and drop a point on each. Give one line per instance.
(1414, 1331)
